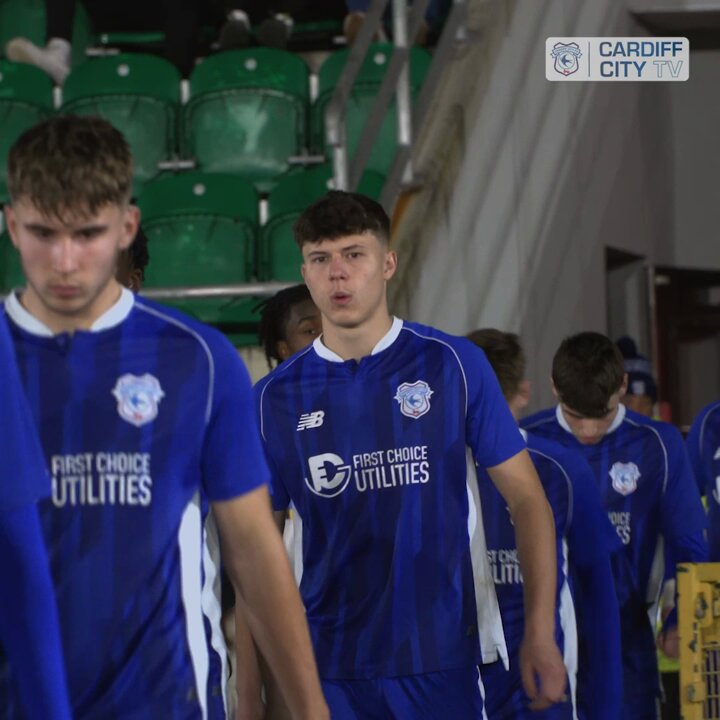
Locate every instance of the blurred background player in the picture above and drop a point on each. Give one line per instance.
(289, 322)
(641, 393)
(585, 541)
(648, 490)
(29, 632)
(154, 413)
(703, 443)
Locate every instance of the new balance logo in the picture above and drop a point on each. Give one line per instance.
(310, 420)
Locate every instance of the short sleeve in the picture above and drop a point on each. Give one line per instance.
(683, 515)
(25, 478)
(278, 492)
(233, 460)
(492, 431)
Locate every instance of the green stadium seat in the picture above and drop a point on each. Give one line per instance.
(361, 100)
(247, 113)
(201, 230)
(26, 18)
(11, 274)
(278, 255)
(25, 99)
(137, 93)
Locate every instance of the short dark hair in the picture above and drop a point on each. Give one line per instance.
(274, 316)
(138, 253)
(70, 163)
(587, 370)
(338, 214)
(505, 355)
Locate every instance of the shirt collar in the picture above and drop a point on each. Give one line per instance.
(385, 342)
(28, 322)
(617, 421)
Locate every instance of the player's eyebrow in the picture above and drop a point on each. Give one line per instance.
(38, 227)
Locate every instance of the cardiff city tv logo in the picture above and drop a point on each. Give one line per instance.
(138, 398)
(566, 57)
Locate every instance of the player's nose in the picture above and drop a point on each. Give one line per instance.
(338, 267)
(63, 255)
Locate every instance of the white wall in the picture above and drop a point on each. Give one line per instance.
(512, 233)
(695, 144)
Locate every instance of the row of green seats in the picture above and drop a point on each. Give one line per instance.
(248, 112)
(203, 229)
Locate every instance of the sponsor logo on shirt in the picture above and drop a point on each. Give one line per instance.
(103, 478)
(379, 470)
(329, 475)
(138, 398)
(621, 522)
(505, 566)
(414, 398)
(624, 477)
(310, 420)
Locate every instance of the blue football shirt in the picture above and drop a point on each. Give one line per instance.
(650, 495)
(141, 419)
(29, 631)
(583, 536)
(25, 478)
(703, 444)
(377, 459)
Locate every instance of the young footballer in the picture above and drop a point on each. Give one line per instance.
(143, 414)
(648, 491)
(373, 434)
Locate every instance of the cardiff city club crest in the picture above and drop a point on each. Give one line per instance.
(138, 398)
(566, 57)
(624, 477)
(414, 398)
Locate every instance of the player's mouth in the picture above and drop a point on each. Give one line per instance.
(340, 298)
(65, 292)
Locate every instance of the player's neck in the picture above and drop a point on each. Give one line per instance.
(355, 343)
(84, 319)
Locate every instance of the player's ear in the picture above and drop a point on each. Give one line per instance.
(130, 223)
(523, 395)
(390, 265)
(623, 387)
(10, 223)
(554, 389)
(283, 350)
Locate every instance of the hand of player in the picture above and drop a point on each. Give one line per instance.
(543, 672)
(668, 643)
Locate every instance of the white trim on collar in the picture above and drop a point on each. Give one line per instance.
(386, 341)
(617, 420)
(523, 432)
(28, 322)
